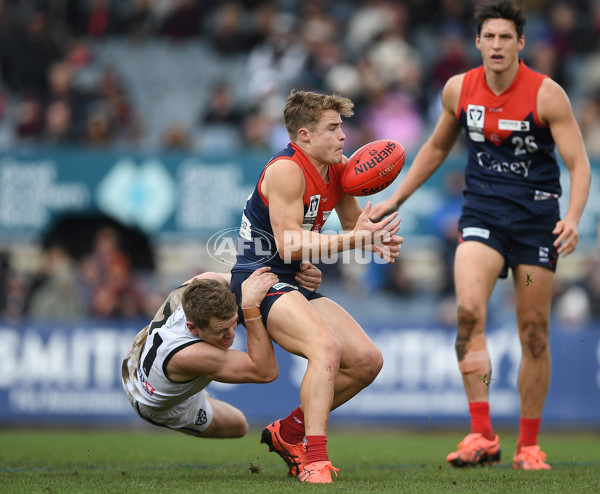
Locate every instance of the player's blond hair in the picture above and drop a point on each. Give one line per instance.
(204, 299)
(305, 108)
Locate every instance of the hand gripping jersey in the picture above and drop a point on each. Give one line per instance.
(511, 160)
(256, 245)
(143, 370)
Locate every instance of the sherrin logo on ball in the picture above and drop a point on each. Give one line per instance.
(373, 167)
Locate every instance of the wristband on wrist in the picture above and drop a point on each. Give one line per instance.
(251, 313)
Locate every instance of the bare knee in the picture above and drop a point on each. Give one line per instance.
(329, 351)
(372, 363)
(467, 318)
(534, 338)
(240, 429)
(367, 366)
(467, 321)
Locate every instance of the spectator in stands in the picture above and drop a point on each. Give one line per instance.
(124, 122)
(54, 294)
(183, 21)
(58, 128)
(29, 120)
(589, 120)
(98, 126)
(320, 36)
(220, 125)
(114, 290)
(27, 50)
(100, 19)
(276, 65)
(139, 20)
(228, 34)
(389, 112)
(544, 57)
(222, 107)
(176, 137)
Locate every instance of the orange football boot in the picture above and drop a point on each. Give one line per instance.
(530, 458)
(318, 472)
(474, 450)
(294, 455)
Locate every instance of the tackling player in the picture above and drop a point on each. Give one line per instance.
(188, 345)
(513, 118)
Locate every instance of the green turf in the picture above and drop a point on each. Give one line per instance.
(392, 460)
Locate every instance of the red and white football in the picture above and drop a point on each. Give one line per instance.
(373, 167)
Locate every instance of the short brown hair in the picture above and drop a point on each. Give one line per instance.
(204, 299)
(305, 108)
(501, 9)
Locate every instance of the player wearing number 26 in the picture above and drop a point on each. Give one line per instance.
(188, 345)
(513, 119)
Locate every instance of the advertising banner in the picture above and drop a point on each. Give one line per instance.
(71, 375)
(174, 195)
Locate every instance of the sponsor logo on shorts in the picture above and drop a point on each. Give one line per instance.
(544, 254)
(201, 418)
(472, 231)
(279, 286)
(540, 195)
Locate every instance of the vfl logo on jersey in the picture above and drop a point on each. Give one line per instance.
(514, 125)
(311, 212)
(475, 121)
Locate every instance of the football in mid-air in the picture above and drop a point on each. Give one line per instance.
(373, 167)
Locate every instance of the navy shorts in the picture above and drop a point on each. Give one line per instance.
(525, 239)
(284, 285)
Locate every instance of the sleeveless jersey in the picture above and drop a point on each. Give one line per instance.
(511, 154)
(144, 367)
(256, 245)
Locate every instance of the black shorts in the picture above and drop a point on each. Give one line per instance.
(284, 285)
(520, 239)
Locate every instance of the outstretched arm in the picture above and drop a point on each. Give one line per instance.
(432, 154)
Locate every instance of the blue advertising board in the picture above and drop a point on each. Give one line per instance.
(71, 374)
(175, 195)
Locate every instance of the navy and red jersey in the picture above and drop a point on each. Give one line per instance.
(511, 154)
(256, 246)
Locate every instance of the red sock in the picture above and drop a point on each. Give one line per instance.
(316, 449)
(292, 427)
(480, 419)
(528, 432)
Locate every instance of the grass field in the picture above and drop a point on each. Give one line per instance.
(390, 460)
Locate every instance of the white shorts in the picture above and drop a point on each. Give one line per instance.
(191, 416)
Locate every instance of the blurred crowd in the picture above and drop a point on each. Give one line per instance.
(101, 279)
(390, 57)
